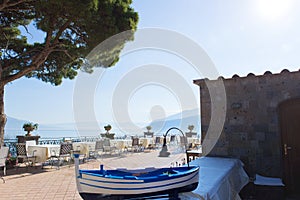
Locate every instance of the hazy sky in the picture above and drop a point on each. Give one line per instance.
(238, 36)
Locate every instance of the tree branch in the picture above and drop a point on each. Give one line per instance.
(65, 51)
(43, 55)
(61, 30)
(37, 61)
(77, 32)
(7, 3)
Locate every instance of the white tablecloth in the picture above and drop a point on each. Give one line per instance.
(146, 141)
(43, 152)
(30, 143)
(193, 140)
(84, 147)
(121, 144)
(220, 179)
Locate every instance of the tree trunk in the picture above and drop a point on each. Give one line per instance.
(2, 114)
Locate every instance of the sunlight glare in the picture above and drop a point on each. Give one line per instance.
(274, 9)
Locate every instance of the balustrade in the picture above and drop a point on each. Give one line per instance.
(11, 143)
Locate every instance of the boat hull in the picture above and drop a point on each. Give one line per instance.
(103, 186)
(170, 194)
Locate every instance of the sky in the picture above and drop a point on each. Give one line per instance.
(239, 37)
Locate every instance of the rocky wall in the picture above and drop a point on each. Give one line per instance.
(251, 130)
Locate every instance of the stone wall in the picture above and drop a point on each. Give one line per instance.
(251, 131)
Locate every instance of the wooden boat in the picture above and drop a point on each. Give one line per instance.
(135, 184)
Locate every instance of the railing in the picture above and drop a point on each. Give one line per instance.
(11, 143)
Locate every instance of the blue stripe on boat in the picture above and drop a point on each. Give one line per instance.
(145, 179)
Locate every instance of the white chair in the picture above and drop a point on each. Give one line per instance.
(107, 147)
(157, 142)
(183, 143)
(173, 140)
(99, 148)
(3, 156)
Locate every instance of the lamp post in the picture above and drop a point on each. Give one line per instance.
(164, 151)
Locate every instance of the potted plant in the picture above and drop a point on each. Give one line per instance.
(107, 128)
(148, 128)
(10, 161)
(30, 127)
(191, 127)
(108, 134)
(190, 134)
(148, 133)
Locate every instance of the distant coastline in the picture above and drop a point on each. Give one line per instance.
(181, 120)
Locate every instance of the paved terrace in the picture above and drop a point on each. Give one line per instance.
(50, 183)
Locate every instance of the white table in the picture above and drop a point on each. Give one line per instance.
(43, 152)
(84, 147)
(146, 141)
(194, 154)
(220, 178)
(193, 140)
(120, 144)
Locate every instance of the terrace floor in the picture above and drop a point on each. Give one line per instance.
(53, 183)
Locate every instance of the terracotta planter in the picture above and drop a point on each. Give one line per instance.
(107, 128)
(28, 129)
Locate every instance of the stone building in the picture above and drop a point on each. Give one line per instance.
(261, 123)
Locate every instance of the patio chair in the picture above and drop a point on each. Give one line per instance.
(183, 143)
(64, 153)
(157, 142)
(92, 151)
(107, 147)
(99, 149)
(136, 146)
(23, 156)
(173, 139)
(3, 156)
